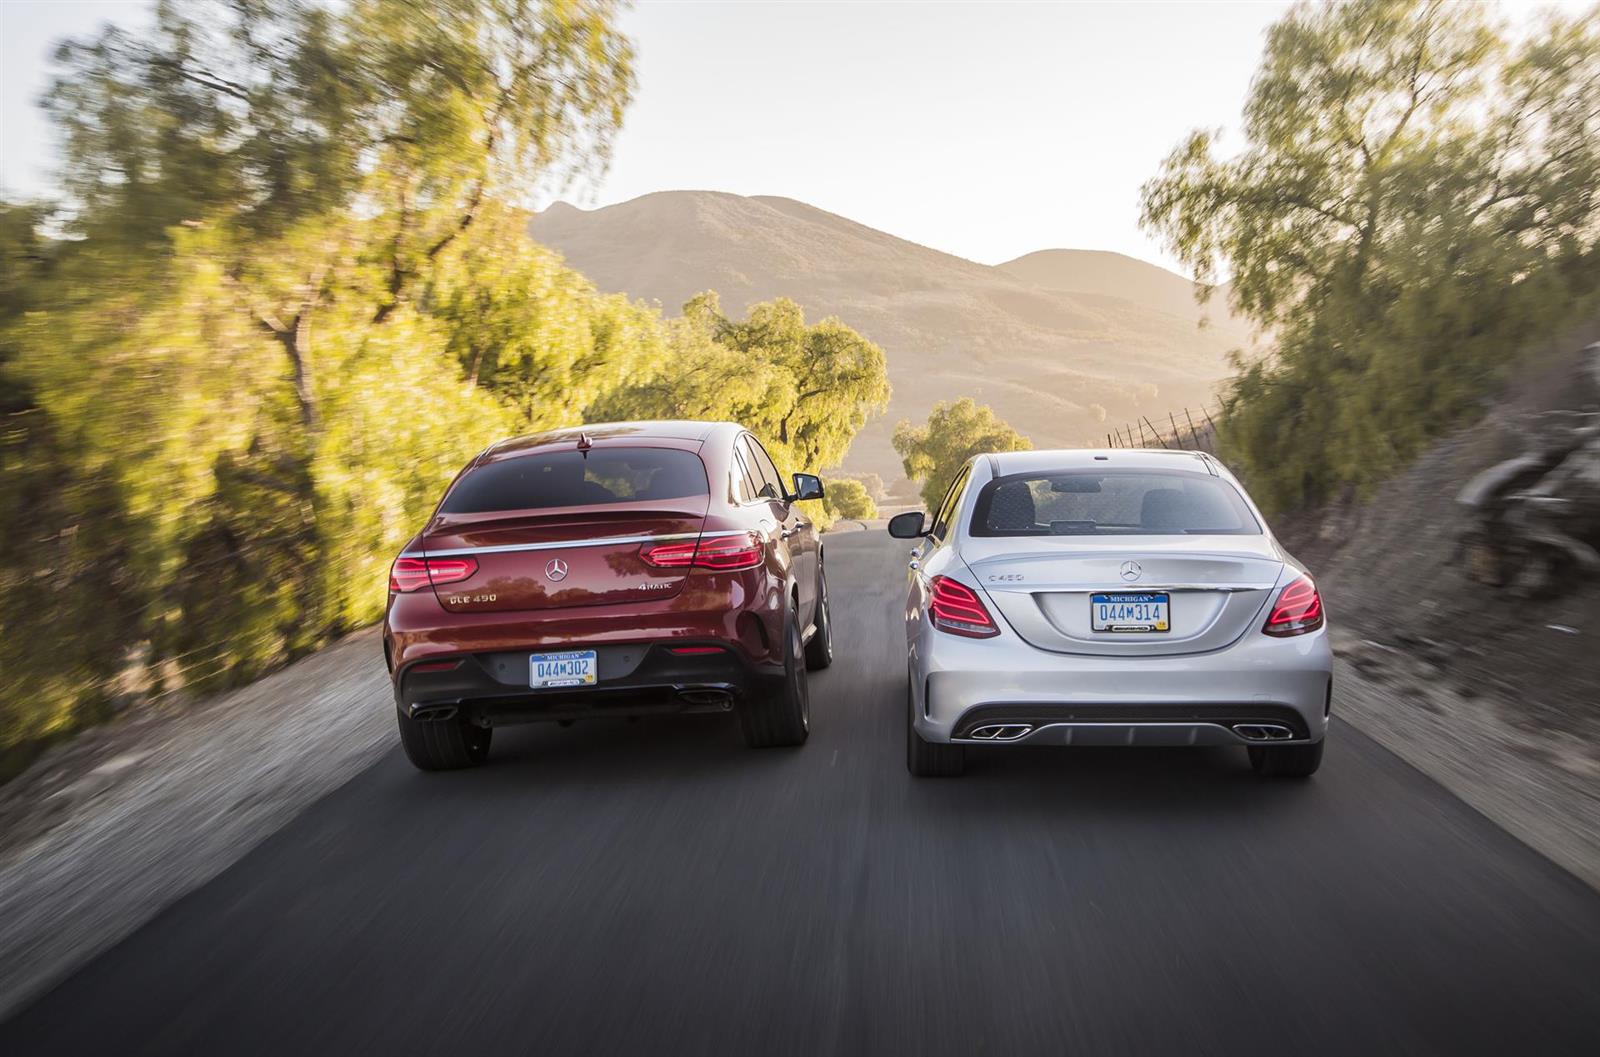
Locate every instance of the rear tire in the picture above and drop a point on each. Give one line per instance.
(784, 718)
(819, 651)
(930, 759)
(443, 745)
(1286, 761)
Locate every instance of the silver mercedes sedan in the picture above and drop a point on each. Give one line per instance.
(1115, 597)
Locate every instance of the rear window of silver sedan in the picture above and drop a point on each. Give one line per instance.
(1112, 503)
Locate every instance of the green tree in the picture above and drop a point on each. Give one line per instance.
(847, 498)
(954, 433)
(282, 122)
(210, 492)
(805, 390)
(1413, 203)
(534, 332)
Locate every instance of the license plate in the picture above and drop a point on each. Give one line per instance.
(572, 668)
(1131, 612)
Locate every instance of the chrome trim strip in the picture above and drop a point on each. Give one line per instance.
(608, 541)
(1219, 734)
(1124, 588)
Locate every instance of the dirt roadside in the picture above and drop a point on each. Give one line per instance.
(1494, 695)
(104, 831)
(1544, 789)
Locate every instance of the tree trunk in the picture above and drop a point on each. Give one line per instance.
(296, 342)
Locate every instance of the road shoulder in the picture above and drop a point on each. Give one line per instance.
(1541, 791)
(105, 831)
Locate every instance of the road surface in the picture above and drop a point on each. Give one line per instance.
(657, 888)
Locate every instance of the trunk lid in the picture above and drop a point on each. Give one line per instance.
(530, 560)
(1218, 588)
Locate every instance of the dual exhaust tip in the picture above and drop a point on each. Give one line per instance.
(434, 713)
(1014, 731)
(1263, 732)
(1000, 731)
(721, 700)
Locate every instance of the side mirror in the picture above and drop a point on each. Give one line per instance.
(806, 486)
(908, 526)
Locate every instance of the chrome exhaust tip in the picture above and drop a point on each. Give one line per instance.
(714, 699)
(1000, 731)
(433, 713)
(1263, 731)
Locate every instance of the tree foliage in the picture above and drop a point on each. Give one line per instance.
(1415, 201)
(288, 293)
(845, 498)
(805, 390)
(955, 432)
(532, 331)
(340, 149)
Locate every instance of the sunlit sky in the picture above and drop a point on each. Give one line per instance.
(984, 129)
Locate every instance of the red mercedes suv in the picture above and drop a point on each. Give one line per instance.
(614, 570)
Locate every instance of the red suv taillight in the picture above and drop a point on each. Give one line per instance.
(722, 553)
(1297, 611)
(956, 608)
(408, 574)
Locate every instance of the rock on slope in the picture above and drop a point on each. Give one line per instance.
(1056, 363)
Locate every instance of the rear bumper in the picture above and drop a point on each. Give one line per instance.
(741, 610)
(491, 688)
(1278, 690)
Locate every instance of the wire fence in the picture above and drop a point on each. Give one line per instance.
(1192, 429)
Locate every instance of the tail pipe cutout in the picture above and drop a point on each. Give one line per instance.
(1263, 731)
(1000, 731)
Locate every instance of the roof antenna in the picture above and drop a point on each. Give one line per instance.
(584, 443)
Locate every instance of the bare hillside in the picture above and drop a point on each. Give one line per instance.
(1103, 272)
(1055, 364)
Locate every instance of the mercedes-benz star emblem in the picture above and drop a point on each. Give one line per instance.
(1131, 571)
(556, 569)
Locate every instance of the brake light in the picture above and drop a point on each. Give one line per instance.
(730, 552)
(956, 608)
(693, 651)
(722, 553)
(408, 574)
(1297, 611)
(668, 555)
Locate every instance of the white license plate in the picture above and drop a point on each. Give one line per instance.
(572, 668)
(1131, 611)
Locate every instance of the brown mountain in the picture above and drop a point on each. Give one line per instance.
(1065, 345)
(1104, 272)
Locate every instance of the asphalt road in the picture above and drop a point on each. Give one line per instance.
(657, 888)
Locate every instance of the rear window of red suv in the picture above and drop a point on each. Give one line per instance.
(574, 478)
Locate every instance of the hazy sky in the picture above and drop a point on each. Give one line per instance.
(984, 129)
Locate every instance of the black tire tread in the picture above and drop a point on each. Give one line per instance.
(931, 759)
(774, 720)
(1286, 761)
(442, 745)
(819, 651)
